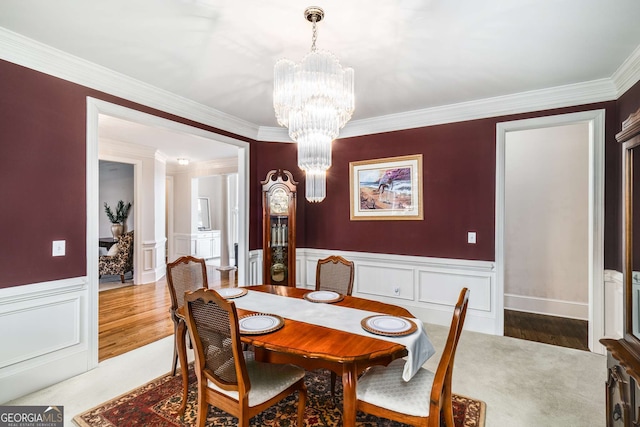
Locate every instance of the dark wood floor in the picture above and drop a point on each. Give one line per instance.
(558, 331)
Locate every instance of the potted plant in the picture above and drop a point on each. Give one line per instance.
(118, 219)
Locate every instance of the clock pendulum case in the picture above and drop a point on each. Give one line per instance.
(279, 228)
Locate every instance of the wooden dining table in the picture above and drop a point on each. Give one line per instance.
(314, 347)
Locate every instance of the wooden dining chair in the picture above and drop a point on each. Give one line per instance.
(184, 274)
(334, 273)
(426, 398)
(229, 378)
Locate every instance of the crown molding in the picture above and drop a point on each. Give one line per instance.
(40, 57)
(29, 53)
(628, 73)
(544, 99)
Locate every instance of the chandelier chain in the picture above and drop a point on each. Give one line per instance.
(314, 36)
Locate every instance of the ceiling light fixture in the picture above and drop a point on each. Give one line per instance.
(182, 161)
(314, 99)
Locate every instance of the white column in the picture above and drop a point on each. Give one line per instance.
(224, 226)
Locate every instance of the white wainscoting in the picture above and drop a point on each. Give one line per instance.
(613, 304)
(427, 287)
(153, 265)
(44, 335)
(255, 267)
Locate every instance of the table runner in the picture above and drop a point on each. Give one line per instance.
(347, 319)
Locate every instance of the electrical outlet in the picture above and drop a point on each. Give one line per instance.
(58, 248)
(396, 290)
(471, 237)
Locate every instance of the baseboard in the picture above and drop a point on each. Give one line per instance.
(547, 306)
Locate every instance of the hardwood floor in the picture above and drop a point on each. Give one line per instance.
(136, 315)
(558, 331)
(132, 316)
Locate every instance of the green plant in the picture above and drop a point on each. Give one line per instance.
(122, 212)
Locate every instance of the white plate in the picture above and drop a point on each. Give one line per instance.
(323, 296)
(389, 324)
(260, 323)
(231, 292)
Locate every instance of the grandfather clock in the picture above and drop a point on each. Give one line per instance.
(279, 228)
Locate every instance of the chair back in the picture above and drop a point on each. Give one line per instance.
(441, 388)
(125, 248)
(213, 324)
(185, 274)
(335, 273)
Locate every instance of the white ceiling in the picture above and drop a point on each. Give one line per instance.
(407, 54)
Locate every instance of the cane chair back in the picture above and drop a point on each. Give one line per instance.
(229, 378)
(335, 273)
(425, 400)
(184, 274)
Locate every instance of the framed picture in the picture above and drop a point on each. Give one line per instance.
(386, 189)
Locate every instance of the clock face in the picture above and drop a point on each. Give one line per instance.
(279, 201)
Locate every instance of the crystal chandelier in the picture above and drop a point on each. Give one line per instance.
(314, 99)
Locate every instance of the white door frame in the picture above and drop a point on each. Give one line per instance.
(95, 107)
(595, 120)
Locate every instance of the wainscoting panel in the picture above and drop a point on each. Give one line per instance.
(613, 304)
(385, 280)
(185, 244)
(440, 287)
(255, 267)
(62, 329)
(427, 287)
(153, 264)
(44, 335)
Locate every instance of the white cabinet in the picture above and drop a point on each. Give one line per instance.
(208, 244)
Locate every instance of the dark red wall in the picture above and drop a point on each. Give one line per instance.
(42, 159)
(42, 190)
(458, 182)
(459, 191)
(43, 166)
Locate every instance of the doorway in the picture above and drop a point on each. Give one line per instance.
(592, 123)
(150, 255)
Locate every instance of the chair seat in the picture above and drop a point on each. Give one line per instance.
(384, 387)
(267, 380)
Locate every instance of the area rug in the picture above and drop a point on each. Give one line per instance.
(156, 404)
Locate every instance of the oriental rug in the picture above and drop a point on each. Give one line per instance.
(156, 404)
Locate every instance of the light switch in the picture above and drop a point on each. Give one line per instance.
(59, 247)
(471, 237)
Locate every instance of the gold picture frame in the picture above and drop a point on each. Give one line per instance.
(386, 189)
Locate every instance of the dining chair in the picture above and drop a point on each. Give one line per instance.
(426, 398)
(229, 378)
(184, 274)
(335, 273)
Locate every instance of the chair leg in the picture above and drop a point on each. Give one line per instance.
(447, 408)
(175, 350)
(122, 278)
(182, 353)
(302, 404)
(203, 407)
(333, 384)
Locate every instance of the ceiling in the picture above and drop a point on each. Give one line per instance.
(407, 55)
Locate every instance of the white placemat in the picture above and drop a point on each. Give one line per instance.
(418, 344)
